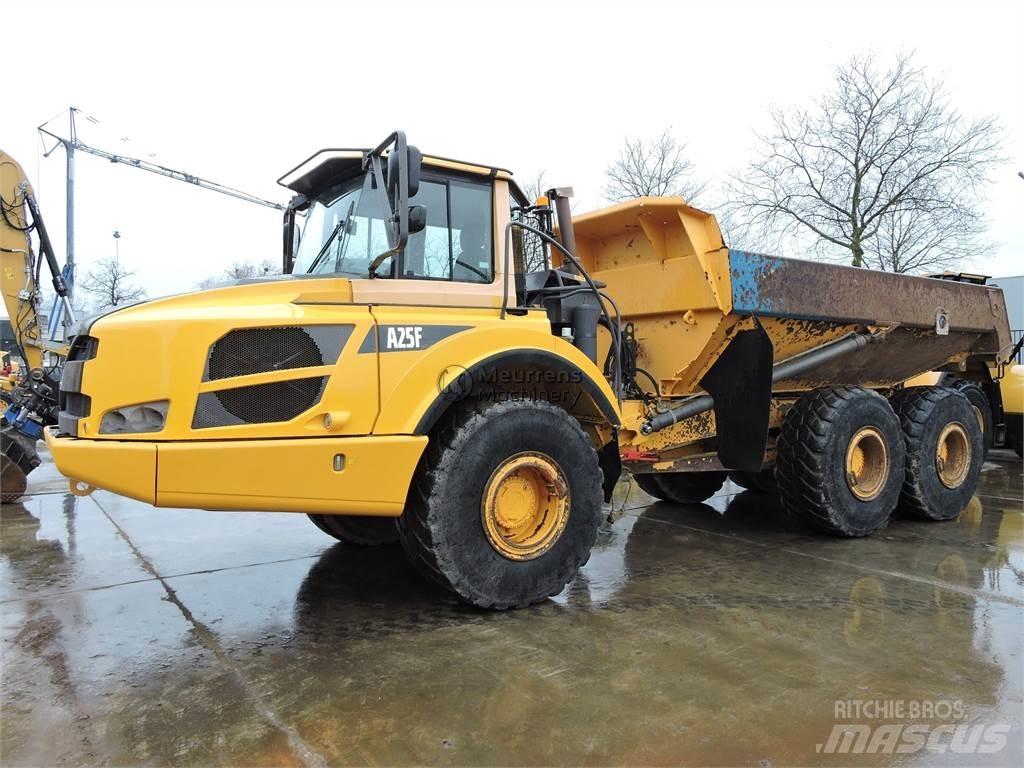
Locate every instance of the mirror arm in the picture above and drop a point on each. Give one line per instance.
(400, 211)
(288, 260)
(377, 151)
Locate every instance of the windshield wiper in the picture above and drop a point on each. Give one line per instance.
(342, 224)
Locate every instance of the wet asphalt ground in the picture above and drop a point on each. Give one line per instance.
(715, 634)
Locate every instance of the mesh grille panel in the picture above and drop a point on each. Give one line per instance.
(257, 404)
(258, 350)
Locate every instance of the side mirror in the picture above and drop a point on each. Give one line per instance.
(401, 183)
(417, 218)
(415, 164)
(404, 159)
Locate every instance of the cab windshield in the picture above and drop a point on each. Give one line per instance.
(345, 231)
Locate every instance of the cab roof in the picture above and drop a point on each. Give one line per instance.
(328, 166)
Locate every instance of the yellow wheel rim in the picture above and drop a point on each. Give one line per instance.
(953, 455)
(525, 506)
(867, 463)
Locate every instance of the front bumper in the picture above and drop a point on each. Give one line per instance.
(287, 475)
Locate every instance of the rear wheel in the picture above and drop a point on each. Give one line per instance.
(945, 451)
(362, 530)
(840, 460)
(681, 487)
(980, 405)
(506, 503)
(761, 482)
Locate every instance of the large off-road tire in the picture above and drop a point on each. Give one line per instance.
(976, 396)
(361, 530)
(506, 503)
(761, 482)
(840, 460)
(945, 451)
(681, 487)
(18, 457)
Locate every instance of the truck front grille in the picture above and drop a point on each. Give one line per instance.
(257, 403)
(72, 403)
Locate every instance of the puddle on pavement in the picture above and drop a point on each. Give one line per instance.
(717, 634)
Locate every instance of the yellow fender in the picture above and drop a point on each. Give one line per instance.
(416, 391)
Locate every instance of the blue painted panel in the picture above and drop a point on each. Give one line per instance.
(747, 272)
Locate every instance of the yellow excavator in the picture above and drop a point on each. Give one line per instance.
(30, 393)
(448, 364)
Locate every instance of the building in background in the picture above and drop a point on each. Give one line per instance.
(1013, 292)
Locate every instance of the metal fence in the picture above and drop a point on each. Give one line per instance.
(1015, 335)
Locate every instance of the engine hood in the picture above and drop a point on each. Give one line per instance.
(257, 346)
(278, 291)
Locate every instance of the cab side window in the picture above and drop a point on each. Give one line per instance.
(471, 232)
(457, 242)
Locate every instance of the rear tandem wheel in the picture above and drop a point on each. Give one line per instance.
(840, 460)
(681, 487)
(945, 451)
(759, 482)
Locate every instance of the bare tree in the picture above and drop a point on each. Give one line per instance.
(241, 270)
(881, 172)
(535, 186)
(652, 168)
(109, 283)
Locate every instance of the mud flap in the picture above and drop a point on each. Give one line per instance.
(740, 382)
(611, 467)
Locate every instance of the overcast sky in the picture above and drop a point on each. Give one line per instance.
(241, 93)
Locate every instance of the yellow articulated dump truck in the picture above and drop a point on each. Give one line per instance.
(448, 364)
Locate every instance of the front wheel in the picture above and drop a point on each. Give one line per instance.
(505, 505)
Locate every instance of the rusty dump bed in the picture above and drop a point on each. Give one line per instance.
(687, 296)
(934, 321)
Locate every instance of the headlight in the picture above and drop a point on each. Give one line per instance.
(144, 417)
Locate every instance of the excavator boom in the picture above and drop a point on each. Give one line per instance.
(32, 396)
(19, 266)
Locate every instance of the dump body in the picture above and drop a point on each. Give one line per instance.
(689, 297)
